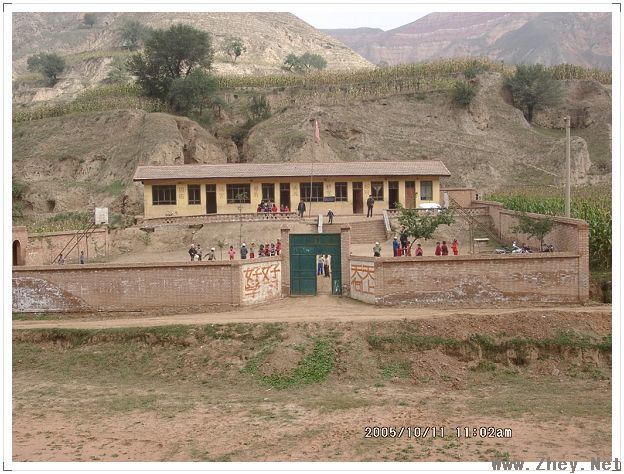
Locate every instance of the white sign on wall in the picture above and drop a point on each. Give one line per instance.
(101, 215)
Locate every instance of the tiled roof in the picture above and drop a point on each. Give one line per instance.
(266, 170)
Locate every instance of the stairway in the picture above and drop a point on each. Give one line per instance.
(363, 231)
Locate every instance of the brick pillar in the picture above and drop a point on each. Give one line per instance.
(285, 233)
(345, 253)
(583, 251)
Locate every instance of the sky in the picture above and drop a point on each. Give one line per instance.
(357, 16)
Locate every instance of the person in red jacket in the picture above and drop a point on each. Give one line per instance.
(419, 250)
(274, 208)
(438, 250)
(444, 248)
(455, 247)
(278, 246)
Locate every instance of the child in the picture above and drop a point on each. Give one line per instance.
(261, 251)
(274, 208)
(377, 250)
(286, 208)
(231, 252)
(395, 246)
(438, 250)
(243, 252)
(444, 248)
(320, 265)
(211, 254)
(252, 250)
(278, 247)
(455, 247)
(419, 250)
(267, 250)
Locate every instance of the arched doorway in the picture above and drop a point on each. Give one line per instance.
(16, 252)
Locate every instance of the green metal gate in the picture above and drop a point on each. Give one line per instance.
(303, 251)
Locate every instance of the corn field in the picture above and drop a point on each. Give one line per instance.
(112, 97)
(591, 205)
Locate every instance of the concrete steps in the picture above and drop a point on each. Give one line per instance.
(363, 231)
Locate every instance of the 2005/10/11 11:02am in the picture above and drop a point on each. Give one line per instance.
(435, 432)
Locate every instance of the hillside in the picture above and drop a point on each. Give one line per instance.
(90, 52)
(516, 38)
(76, 161)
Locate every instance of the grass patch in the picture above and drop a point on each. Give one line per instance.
(35, 316)
(314, 367)
(400, 369)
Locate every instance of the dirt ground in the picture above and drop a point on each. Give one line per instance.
(168, 393)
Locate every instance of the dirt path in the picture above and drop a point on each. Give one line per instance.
(320, 308)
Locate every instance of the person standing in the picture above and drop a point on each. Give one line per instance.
(199, 253)
(252, 250)
(211, 254)
(370, 202)
(301, 208)
(395, 246)
(377, 250)
(278, 247)
(231, 252)
(438, 249)
(320, 265)
(81, 259)
(192, 252)
(243, 252)
(455, 247)
(404, 240)
(261, 251)
(326, 266)
(61, 259)
(330, 216)
(444, 248)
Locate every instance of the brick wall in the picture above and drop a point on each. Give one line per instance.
(178, 286)
(463, 196)
(44, 248)
(555, 277)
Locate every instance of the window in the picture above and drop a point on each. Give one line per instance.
(238, 193)
(377, 190)
(194, 194)
(268, 192)
(163, 194)
(341, 191)
(312, 193)
(426, 190)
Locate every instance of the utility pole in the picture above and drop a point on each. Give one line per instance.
(567, 173)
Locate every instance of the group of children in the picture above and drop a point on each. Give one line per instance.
(401, 247)
(264, 250)
(268, 206)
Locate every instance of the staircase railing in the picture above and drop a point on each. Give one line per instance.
(386, 219)
(78, 236)
(453, 204)
(320, 224)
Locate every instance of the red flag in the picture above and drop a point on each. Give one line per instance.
(317, 133)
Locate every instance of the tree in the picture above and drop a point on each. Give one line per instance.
(168, 55)
(89, 19)
(537, 228)
(464, 92)
(292, 61)
(234, 47)
(423, 226)
(118, 74)
(533, 87)
(50, 65)
(259, 107)
(133, 34)
(305, 62)
(192, 91)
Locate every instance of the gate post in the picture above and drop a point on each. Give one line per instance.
(285, 232)
(345, 253)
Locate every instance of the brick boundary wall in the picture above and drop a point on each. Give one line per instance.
(44, 247)
(568, 235)
(543, 278)
(137, 287)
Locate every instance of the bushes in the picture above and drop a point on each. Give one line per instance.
(464, 92)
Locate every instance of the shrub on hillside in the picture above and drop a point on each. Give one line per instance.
(464, 92)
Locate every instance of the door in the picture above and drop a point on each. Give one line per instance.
(303, 251)
(393, 194)
(358, 198)
(16, 253)
(410, 194)
(211, 199)
(285, 195)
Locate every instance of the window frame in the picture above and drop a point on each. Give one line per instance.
(423, 196)
(340, 197)
(262, 187)
(159, 195)
(312, 196)
(233, 189)
(196, 199)
(374, 194)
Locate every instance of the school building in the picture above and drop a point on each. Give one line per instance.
(344, 187)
